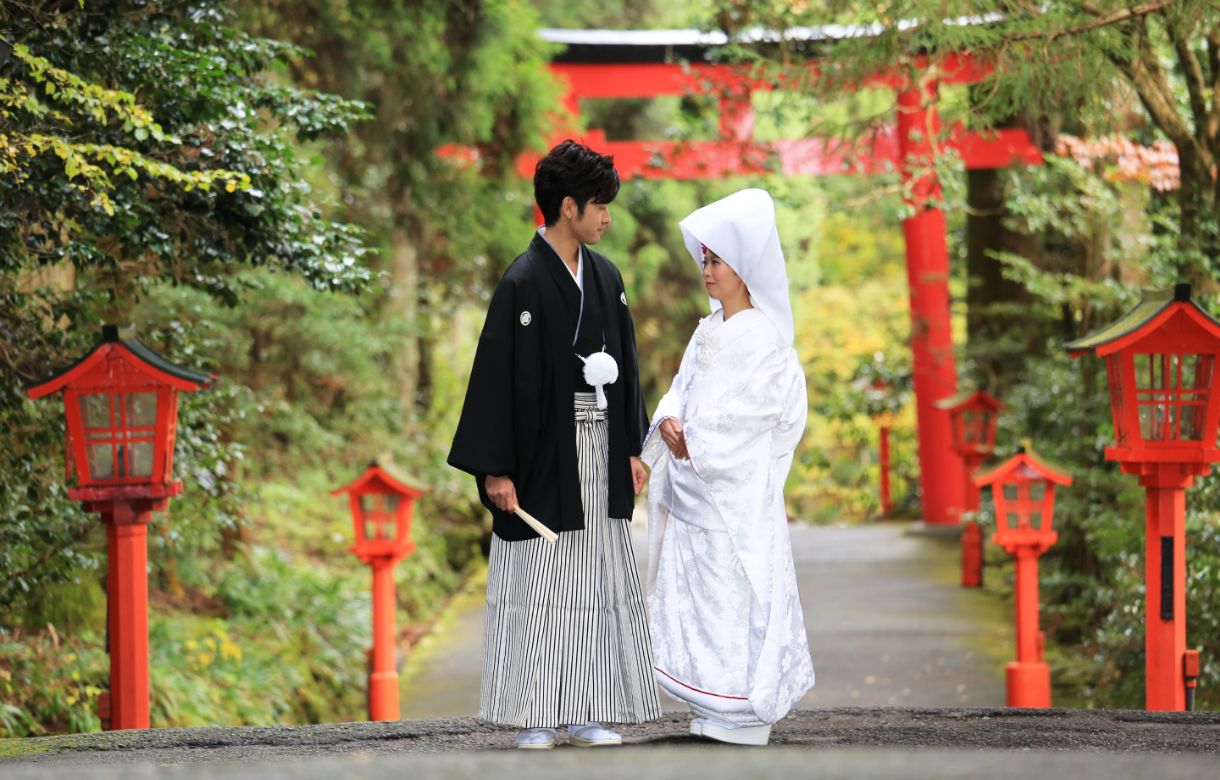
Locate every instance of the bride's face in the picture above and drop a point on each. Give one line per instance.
(722, 282)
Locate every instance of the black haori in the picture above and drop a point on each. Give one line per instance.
(566, 634)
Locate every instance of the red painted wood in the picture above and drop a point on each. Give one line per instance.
(1165, 640)
(383, 677)
(1028, 677)
(941, 472)
(883, 455)
(878, 153)
(378, 484)
(127, 595)
(972, 555)
(114, 373)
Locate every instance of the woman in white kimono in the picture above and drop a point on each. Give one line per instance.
(727, 627)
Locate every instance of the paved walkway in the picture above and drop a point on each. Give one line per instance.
(851, 742)
(888, 626)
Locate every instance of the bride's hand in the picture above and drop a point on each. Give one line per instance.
(671, 434)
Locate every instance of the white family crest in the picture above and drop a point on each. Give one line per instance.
(623, 297)
(526, 318)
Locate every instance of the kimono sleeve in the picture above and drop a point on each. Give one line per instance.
(730, 444)
(791, 425)
(484, 441)
(633, 395)
(670, 405)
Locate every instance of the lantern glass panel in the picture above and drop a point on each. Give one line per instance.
(1035, 520)
(1010, 492)
(141, 410)
(1037, 491)
(141, 459)
(378, 529)
(1114, 374)
(101, 461)
(1192, 421)
(1011, 520)
(95, 411)
(1172, 392)
(379, 513)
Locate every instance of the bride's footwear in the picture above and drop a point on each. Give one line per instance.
(727, 732)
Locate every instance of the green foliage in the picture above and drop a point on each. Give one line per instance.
(196, 176)
(106, 197)
(259, 613)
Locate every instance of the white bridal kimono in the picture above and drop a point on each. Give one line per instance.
(727, 627)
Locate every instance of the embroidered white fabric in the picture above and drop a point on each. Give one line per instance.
(740, 396)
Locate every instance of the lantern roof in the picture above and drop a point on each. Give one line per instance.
(381, 472)
(1028, 460)
(1155, 308)
(135, 353)
(968, 398)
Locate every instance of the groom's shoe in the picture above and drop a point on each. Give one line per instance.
(535, 739)
(593, 734)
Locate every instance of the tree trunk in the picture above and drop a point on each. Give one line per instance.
(426, 345)
(404, 283)
(993, 302)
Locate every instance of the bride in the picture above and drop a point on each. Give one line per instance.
(727, 626)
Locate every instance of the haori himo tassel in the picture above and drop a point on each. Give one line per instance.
(600, 370)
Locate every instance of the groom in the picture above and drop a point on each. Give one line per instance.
(566, 636)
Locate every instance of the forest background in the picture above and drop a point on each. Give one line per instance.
(255, 189)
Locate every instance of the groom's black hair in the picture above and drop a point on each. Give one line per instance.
(573, 169)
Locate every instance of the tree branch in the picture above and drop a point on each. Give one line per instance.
(51, 552)
(1193, 73)
(1151, 84)
(1213, 61)
(1102, 20)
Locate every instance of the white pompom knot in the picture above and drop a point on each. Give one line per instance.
(600, 370)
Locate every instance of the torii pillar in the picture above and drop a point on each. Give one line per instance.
(941, 471)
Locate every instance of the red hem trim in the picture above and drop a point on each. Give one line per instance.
(697, 690)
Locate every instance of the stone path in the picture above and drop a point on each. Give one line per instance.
(888, 626)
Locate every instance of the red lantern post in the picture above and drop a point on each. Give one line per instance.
(972, 418)
(1161, 367)
(1023, 490)
(885, 423)
(382, 503)
(121, 407)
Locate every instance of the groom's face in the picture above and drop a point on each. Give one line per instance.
(590, 225)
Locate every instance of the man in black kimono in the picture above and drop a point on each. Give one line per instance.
(566, 639)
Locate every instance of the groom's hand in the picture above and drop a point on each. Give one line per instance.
(638, 475)
(502, 492)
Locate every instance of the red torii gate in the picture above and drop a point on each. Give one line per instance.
(638, 64)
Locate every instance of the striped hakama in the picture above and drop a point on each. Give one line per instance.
(566, 634)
